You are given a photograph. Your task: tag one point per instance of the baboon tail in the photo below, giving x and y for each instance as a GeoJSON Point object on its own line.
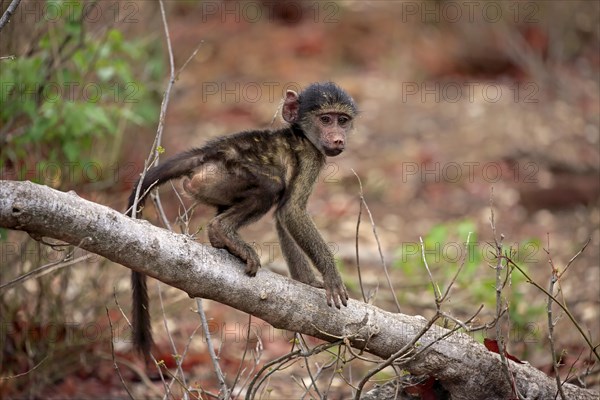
{"type": "Point", "coordinates": [175, 167]}
{"type": "Point", "coordinates": [142, 330]}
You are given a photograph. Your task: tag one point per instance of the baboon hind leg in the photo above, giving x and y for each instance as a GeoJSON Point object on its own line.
{"type": "Point", "coordinates": [222, 230]}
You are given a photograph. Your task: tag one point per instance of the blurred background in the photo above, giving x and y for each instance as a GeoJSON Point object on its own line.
{"type": "Point", "coordinates": [463, 105]}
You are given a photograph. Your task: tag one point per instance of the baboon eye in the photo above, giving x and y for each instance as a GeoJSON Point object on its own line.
{"type": "Point", "coordinates": [325, 119]}
{"type": "Point", "coordinates": [343, 120]}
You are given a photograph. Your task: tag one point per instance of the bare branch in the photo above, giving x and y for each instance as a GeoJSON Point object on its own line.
{"type": "Point", "coordinates": [10, 10]}
{"type": "Point", "coordinates": [202, 271]}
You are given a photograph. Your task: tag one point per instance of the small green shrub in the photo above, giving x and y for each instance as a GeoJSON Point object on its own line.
{"type": "Point", "coordinates": [446, 248]}
{"type": "Point", "coordinates": [66, 102]}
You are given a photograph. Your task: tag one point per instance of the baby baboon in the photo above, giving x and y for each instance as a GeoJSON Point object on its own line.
{"type": "Point", "coordinates": [246, 174]}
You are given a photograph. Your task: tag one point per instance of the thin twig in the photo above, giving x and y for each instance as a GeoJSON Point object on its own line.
{"type": "Point", "coordinates": [10, 10]}
{"type": "Point", "coordinates": [182, 357]}
{"type": "Point", "coordinates": [257, 351]}
{"type": "Point", "coordinates": [385, 270]}
{"type": "Point", "coordinates": [176, 355]}
{"type": "Point", "coordinates": [257, 381]}
{"type": "Point", "coordinates": [335, 361]}
{"type": "Point", "coordinates": [238, 375]}
{"type": "Point", "coordinates": [5, 378]}
{"type": "Point", "coordinates": [551, 323]}
{"type": "Point", "coordinates": [225, 391]}
{"type": "Point", "coordinates": [161, 211]}
{"type": "Point", "coordinates": [313, 381]}
{"type": "Point", "coordinates": [574, 257]}
{"type": "Point", "coordinates": [46, 269]}
{"type": "Point", "coordinates": [409, 349]}
{"type": "Point", "coordinates": [136, 370]}
{"type": "Point", "coordinates": [499, 303]}
{"type": "Point", "coordinates": [436, 290]}
{"type": "Point", "coordinates": [133, 367]}
{"type": "Point", "coordinates": [593, 348]}
{"type": "Point", "coordinates": [112, 350]}
{"type": "Point", "coordinates": [360, 282]}
{"type": "Point", "coordinates": [154, 152]}
{"type": "Point", "coordinates": [189, 59]}
{"type": "Point", "coordinates": [459, 270]}
{"type": "Point", "coordinates": [159, 365]}
{"type": "Point", "coordinates": [405, 350]}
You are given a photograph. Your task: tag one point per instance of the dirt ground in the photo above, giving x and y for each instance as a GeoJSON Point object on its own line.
{"type": "Point", "coordinates": [457, 112]}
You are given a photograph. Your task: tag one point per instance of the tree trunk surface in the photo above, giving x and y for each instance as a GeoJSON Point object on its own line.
{"type": "Point", "coordinates": [464, 367]}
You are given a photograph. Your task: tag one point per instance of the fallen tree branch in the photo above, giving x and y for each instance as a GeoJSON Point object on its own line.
{"type": "Point", "coordinates": [464, 367]}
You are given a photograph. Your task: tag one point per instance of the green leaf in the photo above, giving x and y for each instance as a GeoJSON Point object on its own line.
{"type": "Point", "coordinates": [71, 150]}
{"type": "Point", "coordinates": [98, 117]}
{"type": "Point", "coordinates": [115, 37]}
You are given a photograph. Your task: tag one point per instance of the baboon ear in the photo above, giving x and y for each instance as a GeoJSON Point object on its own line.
{"type": "Point", "coordinates": [290, 107]}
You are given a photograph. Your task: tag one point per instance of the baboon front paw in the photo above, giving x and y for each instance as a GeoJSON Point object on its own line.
{"type": "Point", "coordinates": [335, 292]}
{"type": "Point", "coordinates": [252, 264]}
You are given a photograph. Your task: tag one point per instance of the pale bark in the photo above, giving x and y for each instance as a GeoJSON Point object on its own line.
{"type": "Point", "coordinates": [464, 367]}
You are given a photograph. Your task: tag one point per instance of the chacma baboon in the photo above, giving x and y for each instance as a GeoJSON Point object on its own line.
{"type": "Point", "coordinates": [246, 174]}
